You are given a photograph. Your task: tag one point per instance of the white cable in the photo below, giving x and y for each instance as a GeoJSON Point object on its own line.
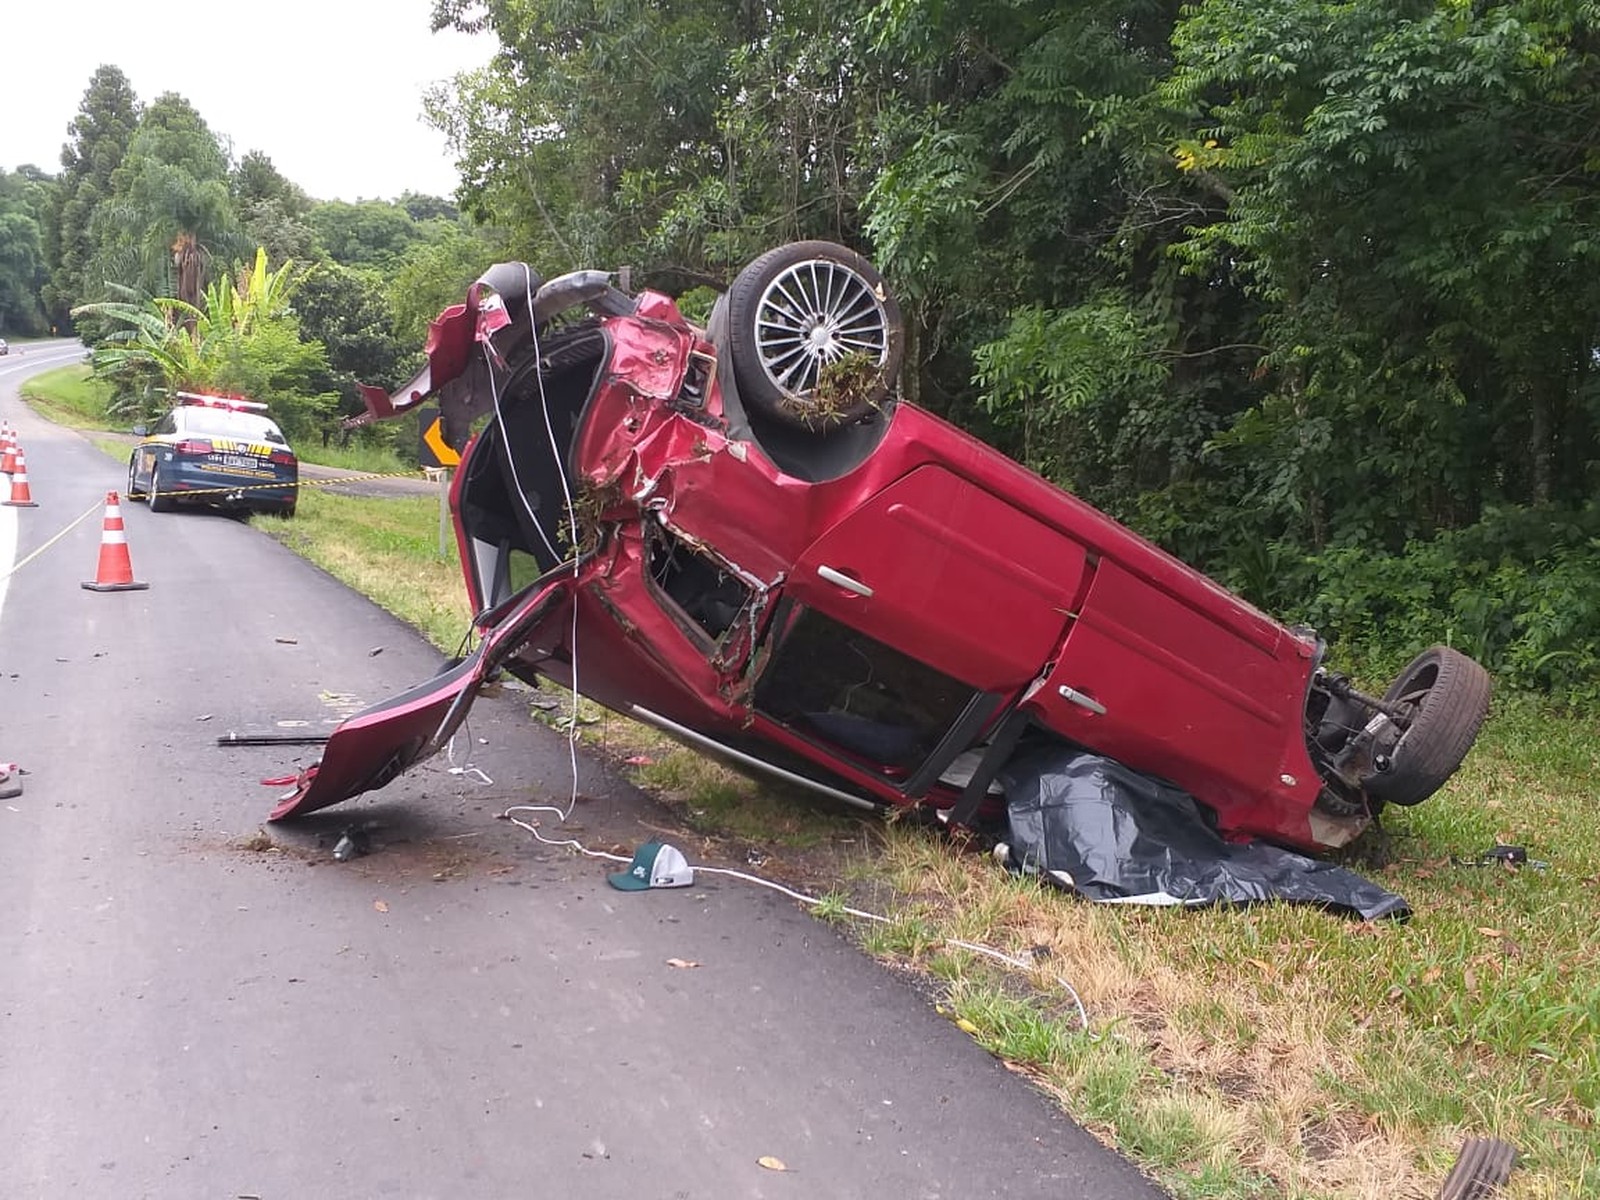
{"type": "Point", "coordinates": [533, 517]}
{"type": "Point", "coordinates": [572, 518]}
{"type": "Point", "coordinates": [813, 901]}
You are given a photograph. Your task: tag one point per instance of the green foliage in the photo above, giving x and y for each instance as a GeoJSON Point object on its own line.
{"type": "Point", "coordinates": [243, 339]}
{"type": "Point", "coordinates": [271, 209]}
{"type": "Point", "coordinates": [370, 233]}
{"type": "Point", "coordinates": [346, 310]}
{"type": "Point", "coordinates": [22, 264]}
{"type": "Point", "coordinates": [1079, 382]}
{"type": "Point", "coordinates": [1306, 290]}
{"type": "Point", "coordinates": [1519, 591]}
{"type": "Point", "coordinates": [99, 137]}
{"type": "Point", "coordinates": [435, 274]}
{"type": "Point", "coordinates": [170, 212]}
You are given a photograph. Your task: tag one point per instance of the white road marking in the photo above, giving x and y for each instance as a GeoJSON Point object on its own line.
{"type": "Point", "coordinates": [8, 550]}
{"type": "Point", "coordinates": [8, 516]}
{"type": "Point", "coordinates": [23, 362]}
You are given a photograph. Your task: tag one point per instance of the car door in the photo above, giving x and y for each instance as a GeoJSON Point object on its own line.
{"type": "Point", "coordinates": [917, 614]}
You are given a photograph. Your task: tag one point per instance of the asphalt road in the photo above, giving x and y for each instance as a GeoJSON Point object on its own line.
{"type": "Point", "coordinates": [188, 1009]}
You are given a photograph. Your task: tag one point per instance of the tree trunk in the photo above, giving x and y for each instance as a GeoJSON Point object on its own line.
{"type": "Point", "coordinates": [186, 260]}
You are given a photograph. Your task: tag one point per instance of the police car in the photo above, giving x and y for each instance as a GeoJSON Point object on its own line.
{"type": "Point", "coordinates": [216, 450]}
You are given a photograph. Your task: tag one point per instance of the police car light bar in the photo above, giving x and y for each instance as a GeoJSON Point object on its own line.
{"type": "Point", "coordinates": [238, 403]}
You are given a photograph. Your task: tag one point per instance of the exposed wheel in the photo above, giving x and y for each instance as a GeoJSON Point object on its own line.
{"type": "Point", "coordinates": [133, 492]}
{"type": "Point", "coordinates": [1447, 695]}
{"type": "Point", "coordinates": [815, 336]}
{"type": "Point", "coordinates": [159, 501]}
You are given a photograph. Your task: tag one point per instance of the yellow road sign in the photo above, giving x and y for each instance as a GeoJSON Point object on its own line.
{"type": "Point", "coordinates": [433, 438]}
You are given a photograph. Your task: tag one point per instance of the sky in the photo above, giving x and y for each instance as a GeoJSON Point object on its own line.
{"type": "Point", "coordinates": [330, 90]}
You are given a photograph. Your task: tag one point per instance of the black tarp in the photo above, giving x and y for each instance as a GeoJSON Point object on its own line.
{"type": "Point", "coordinates": [1090, 824]}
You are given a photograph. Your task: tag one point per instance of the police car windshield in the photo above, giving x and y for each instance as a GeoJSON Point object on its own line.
{"type": "Point", "coordinates": [228, 423]}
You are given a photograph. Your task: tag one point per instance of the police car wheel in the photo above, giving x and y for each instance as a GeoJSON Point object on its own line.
{"type": "Point", "coordinates": [159, 502]}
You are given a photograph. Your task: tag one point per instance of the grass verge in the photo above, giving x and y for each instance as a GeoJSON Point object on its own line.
{"type": "Point", "coordinates": [1266, 1052]}
{"type": "Point", "coordinates": [1282, 1052]}
{"type": "Point", "coordinates": [69, 396]}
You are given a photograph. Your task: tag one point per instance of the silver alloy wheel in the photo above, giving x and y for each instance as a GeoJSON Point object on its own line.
{"type": "Point", "coordinates": [813, 314]}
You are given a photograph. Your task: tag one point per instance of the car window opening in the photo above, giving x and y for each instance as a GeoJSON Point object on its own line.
{"type": "Point", "coordinates": [708, 595]}
{"type": "Point", "coordinates": [829, 681]}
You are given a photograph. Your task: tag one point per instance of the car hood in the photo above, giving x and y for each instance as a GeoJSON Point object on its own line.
{"type": "Point", "coordinates": [368, 750]}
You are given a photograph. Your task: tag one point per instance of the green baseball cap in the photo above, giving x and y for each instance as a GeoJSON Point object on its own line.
{"type": "Point", "coordinates": [655, 865]}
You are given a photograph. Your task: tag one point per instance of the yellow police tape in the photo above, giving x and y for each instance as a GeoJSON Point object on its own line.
{"type": "Point", "coordinates": [227, 491]}
{"type": "Point", "coordinates": [252, 486]}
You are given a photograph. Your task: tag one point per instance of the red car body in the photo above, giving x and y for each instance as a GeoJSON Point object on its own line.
{"type": "Point", "coordinates": [861, 608]}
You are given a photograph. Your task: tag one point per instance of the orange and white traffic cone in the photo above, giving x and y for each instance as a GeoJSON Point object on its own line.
{"type": "Point", "coordinates": [115, 572]}
{"type": "Point", "coordinates": [21, 496]}
{"type": "Point", "coordinates": [8, 450]}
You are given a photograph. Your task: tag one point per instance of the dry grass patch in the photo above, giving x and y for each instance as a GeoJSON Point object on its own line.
{"type": "Point", "coordinates": [1280, 1051]}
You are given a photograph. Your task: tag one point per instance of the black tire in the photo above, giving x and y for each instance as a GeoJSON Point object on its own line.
{"type": "Point", "coordinates": [1448, 695]}
{"type": "Point", "coordinates": [160, 501]}
{"type": "Point", "coordinates": [133, 492]}
{"type": "Point", "coordinates": [813, 313]}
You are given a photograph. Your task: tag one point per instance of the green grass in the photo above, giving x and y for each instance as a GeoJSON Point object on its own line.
{"type": "Point", "coordinates": [69, 396]}
{"type": "Point", "coordinates": [1283, 1051]}
{"type": "Point", "coordinates": [357, 456]}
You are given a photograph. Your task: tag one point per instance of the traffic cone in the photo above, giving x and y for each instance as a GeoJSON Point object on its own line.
{"type": "Point", "coordinates": [21, 497]}
{"type": "Point", "coordinates": [115, 572]}
{"type": "Point", "coordinates": [8, 450]}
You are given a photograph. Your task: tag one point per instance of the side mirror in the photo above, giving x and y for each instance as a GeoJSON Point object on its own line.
{"type": "Point", "coordinates": [141, 431]}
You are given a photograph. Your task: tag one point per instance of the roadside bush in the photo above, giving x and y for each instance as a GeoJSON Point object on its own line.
{"type": "Point", "coordinates": [1519, 591]}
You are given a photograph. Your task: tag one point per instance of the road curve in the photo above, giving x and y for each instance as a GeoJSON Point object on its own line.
{"type": "Point", "coordinates": [190, 1008]}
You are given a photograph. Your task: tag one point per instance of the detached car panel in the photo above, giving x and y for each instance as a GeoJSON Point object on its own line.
{"type": "Point", "coordinates": [765, 552]}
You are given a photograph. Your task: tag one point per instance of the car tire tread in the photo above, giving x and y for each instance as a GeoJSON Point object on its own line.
{"type": "Point", "coordinates": [1442, 731]}
{"type": "Point", "coordinates": [160, 501]}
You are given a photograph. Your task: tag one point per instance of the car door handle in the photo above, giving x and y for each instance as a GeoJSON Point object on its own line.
{"type": "Point", "coordinates": [1074, 696]}
{"type": "Point", "coordinates": [844, 581]}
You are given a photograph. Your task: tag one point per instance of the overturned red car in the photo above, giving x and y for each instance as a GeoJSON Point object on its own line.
{"type": "Point", "coordinates": [740, 535]}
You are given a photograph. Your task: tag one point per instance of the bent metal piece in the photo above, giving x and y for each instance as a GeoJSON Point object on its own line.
{"type": "Point", "coordinates": [370, 749]}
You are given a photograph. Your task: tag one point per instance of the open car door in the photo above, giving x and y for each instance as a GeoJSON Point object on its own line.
{"type": "Point", "coordinates": [378, 744]}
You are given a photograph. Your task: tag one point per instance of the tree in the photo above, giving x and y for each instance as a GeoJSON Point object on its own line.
{"type": "Point", "coordinates": [170, 210]}
{"type": "Point", "coordinates": [243, 337]}
{"type": "Point", "coordinates": [370, 233]}
{"type": "Point", "coordinates": [1395, 174]}
{"type": "Point", "coordinates": [347, 311]}
{"type": "Point", "coordinates": [99, 135]}
{"type": "Point", "coordinates": [435, 274]}
{"type": "Point", "coordinates": [575, 167]}
{"type": "Point", "coordinates": [255, 180]}
{"type": "Point", "coordinates": [22, 267]}
{"type": "Point", "coordinates": [420, 208]}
